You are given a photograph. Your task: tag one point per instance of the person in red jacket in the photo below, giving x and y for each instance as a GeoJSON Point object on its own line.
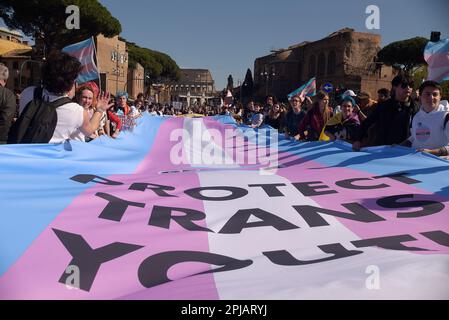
{"type": "Point", "coordinates": [116, 124]}
{"type": "Point", "coordinates": [312, 124]}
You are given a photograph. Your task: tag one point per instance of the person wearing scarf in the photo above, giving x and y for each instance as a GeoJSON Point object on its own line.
{"type": "Point", "coordinates": [313, 123]}
{"type": "Point", "coordinates": [122, 108]}
{"type": "Point", "coordinates": [344, 125]}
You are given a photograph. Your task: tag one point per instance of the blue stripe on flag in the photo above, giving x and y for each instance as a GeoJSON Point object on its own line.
{"type": "Point", "coordinates": [33, 171]}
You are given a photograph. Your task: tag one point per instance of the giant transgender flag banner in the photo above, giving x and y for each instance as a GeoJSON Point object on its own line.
{"type": "Point", "coordinates": [309, 89]}
{"type": "Point", "coordinates": [185, 208]}
{"type": "Point", "coordinates": [84, 51]}
{"type": "Point", "coordinates": [436, 55]}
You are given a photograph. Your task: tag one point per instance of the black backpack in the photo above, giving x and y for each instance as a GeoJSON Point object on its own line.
{"type": "Point", "coordinates": [37, 121]}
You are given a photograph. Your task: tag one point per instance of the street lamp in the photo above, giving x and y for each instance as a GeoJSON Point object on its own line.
{"type": "Point", "coordinates": [267, 76]}
{"type": "Point", "coordinates": [119, 58]}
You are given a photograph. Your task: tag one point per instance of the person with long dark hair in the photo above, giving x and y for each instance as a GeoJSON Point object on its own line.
{"type": "Point", "coordinates": [313, 123]}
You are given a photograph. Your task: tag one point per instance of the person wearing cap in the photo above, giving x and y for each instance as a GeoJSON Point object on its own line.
{"type": "Point", "coordinates": [366, 105]}
{"type": "Point", "coordinates": [347, 93]}
{"type": "Point", "coordinates": [430, 127]}
{"type": "Point", "coordinates": [392, 117]}
{"type": "Point", "coordinates": [7, 105]}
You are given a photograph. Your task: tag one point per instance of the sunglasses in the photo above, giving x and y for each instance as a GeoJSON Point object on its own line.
{"type": "Point", "coordinates": [406, 84]}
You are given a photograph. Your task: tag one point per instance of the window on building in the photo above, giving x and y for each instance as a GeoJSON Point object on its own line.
{"type": "Point", "coordinates": [331, 60]}
{"type": "Point", "coordinates": [321, 64]}
{"type": "Point", "coordinates": [312, 66]}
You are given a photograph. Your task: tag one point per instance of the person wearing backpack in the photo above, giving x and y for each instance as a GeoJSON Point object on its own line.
{"type": "Point", "coordinates": [430, 129]}
{"type": "Point", "coordinates": [47, 113]}
{"type": "Point", "coordinates": [7, 105]}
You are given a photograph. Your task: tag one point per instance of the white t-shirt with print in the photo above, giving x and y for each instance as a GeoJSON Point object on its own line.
{"type": "Point", "coordinates": [428, 130]}
{"type": "Point", "coordinates": [70, 115]}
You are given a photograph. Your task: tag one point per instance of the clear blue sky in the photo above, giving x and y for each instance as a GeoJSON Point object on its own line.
{"type": "Point", "coordinates": [226, 36]}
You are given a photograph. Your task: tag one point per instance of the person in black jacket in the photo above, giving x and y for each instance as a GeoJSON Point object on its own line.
{"type": "Point", "coordinates": [393, 117]}
{"type": "Point", "coordinates": [7, 105]}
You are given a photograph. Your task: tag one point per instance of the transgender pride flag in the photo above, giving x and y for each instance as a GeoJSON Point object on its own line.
{"type": "Point", "coordinates": [171, 211]}
{"type": "Point", "coordinates": [84, 51]}
{"type": "Point", "coordinates": [436, 55]}
{"type": "Point", "coordinates": [309, 89]}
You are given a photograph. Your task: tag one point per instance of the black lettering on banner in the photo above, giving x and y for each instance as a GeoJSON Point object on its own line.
{"type": "Point", "coordinates": [348, 184]}
{"type": "Point", "coordinates": [236, 193]}
{"type": "Point", "coordinates": [308, 190]}
{"type": "Point", "coordinates": [116, 207]}
{"type": "Point", "coordinates": [284, 258]}
{"type": "Point", "coordinates": [428, 206]}
{"type": "Point", "coordinates": [86, 178]}
{"type": "Point", "coordinates": [239, 221]}
{"type": "Point", "coordinates": [391, 243]}
{"type": "Point", "coordinates": [89, 260]}
{"type": "Point", "coordinates": [313, 218]}
{"type": "Point", "coordinates": [271, 189]}
{"type": "Point", "coordinates": [439, 237]}
{"type": "Point", "coordinates": [158, 189]}
{"type": "Point", "coordinates": [161, 216]}
{"type": "Point", "coordinates": [400, 177]}
{"type": "Point", "coordinates": [153, 270]}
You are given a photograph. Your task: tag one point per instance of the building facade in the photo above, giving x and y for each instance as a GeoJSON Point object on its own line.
{"type": "Point", "coordinates": [196, 86]}
{"type": "Point", "coordinates": [345, 59]}
{"type": "Point", "coordinates": [136, 81]}
{"type": "Point", "coordinates": [16, 55]}
{"type": "Point", "coordinates": [112, 60]}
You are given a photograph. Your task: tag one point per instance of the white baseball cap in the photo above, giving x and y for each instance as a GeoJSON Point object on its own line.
{"type": "Point", "coordinates": [349, 93]}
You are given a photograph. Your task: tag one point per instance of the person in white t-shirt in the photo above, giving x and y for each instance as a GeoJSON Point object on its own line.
{"type": "Point", "coordinates": [430, 130]}
{"type": "Point", "coordinates": [58, 76]}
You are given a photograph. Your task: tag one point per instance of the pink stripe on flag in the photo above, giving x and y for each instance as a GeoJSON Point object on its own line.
{"type": "Point", "coordinates": [437, 60]}
{"type": "Point", "coordinates": [36, 274]}
{"type": "Point", "coordinates": [305, 170]}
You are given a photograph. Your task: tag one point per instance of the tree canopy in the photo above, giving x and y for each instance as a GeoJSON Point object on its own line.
{"type": "Point", "coordinates": [45, 20]}
{"type": "Point", "coordinates": [248, 85]}
{"type": "Point", "coordinates": [408, 52]}
{"type": "Point", "coordinates": [157, 65]}
{"type": "Point", "coordinates": [230, 85]}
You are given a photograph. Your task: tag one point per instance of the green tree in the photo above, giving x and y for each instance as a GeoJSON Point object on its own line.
{"type": "Point", "coordinates": [157, 65]}
{"type": "Point", "coordinates": [408, 52]}
{"type": "Point", "coordinates": [45, 20]}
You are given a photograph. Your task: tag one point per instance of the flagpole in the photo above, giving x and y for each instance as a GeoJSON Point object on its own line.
{"type": "Point", "coordinates": [98, 65]}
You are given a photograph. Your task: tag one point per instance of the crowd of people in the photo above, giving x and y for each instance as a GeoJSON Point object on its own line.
{"type": "Point", "coordinates": [61, 110]}
{"type": "Point", "coordinates": [400, 116]}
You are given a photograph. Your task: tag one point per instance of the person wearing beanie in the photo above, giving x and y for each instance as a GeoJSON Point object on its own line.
{"type": "Point", "coordinates": [344, 125]}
